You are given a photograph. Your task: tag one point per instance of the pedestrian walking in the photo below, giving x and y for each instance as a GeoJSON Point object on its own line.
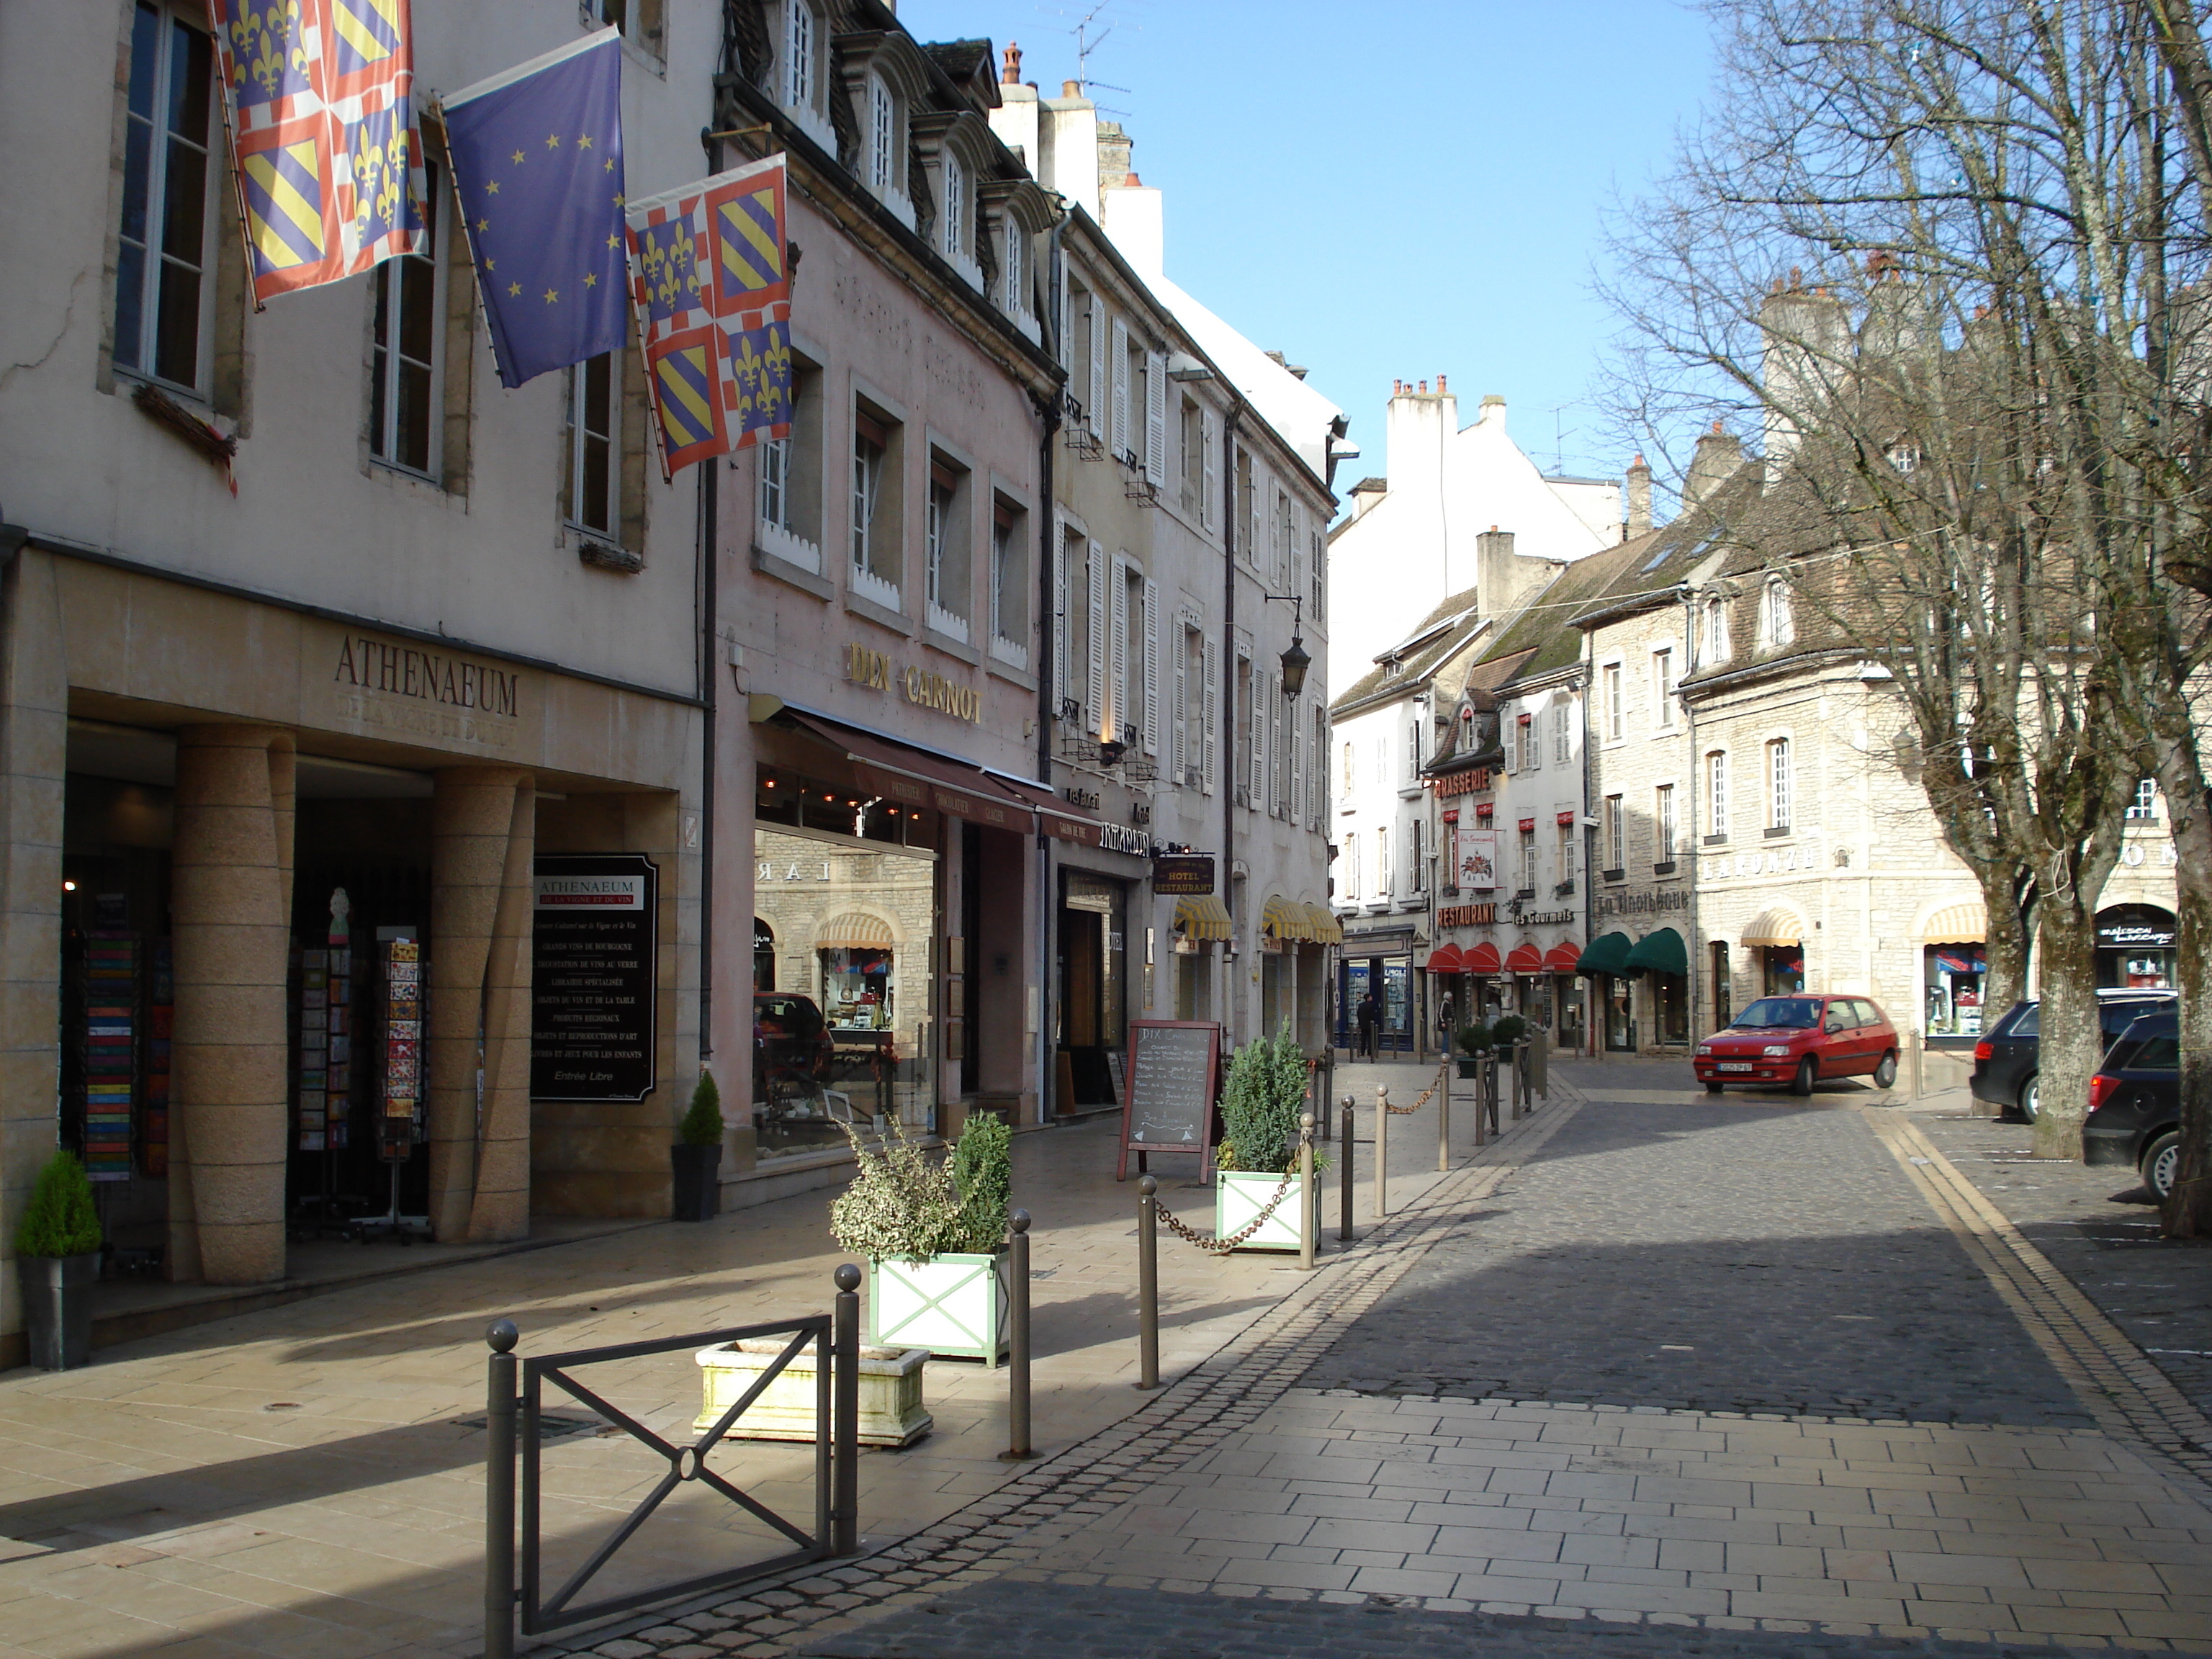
{"type": "Point", "coordinates": [1447, 1022]}
{"type": "Point", "coordinates": [1370, 1017]}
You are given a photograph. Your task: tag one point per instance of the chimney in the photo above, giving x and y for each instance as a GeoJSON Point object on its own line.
{"type": "Point", "coordinates": [1071, 89]}
{"type": "Point", "coordinates": [1639, 499]}
{"type": "Point", "coordinates": [1011, 75]}
{"type": "Point", "coordinates": [1440, 385]}
{"type": "Point", "coordinates": [1495, 587]}
{"type": "Point", "coordinates": [1493, 409]}
{"type": "Point", "coordinates": [1366, 493]}
{"type": "Point", "coordinates": [1719, 455]}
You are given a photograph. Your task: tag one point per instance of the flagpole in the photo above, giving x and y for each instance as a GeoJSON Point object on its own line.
{"type": "Point", "coordinates": [461, 213]}
{"type": "Point", "coordinates": [230, 140]}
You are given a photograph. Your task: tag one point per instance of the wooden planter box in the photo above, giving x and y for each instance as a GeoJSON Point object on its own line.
{"type": "Point", "coordinates": [1238, 1196]}
{"type": "Point", "coordinates": [891, 1412]}
{"type": "Point", "coordinates": [955, 1306]}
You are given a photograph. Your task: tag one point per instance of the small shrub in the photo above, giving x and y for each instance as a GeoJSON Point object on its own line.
{"type": "Point", "coordinates": [702, 1124]}
{"type": "Point", "coordinates": [1507, 1028]}
{"type": "Point", "coordinates": [59, 1219]}
{"type": "Point", "coordinates": [1475, 1037]}
{"type": "Point", "coordinates": [983, 1164]}
{"type": "Point", "coordinates": [906, 1204]}
{"type": "Point", "coordinates": [1262, 1100]}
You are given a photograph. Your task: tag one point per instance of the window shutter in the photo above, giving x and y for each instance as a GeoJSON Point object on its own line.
{"type": "Point", "coordinates": [1151, 623]}
{"type": "Point", "coordinates": [1095, 709]}
{"type": "Point", "coordinates": [1063, 625]}
{"type": "Point", "coordinates": [1179, 756]}
{"type": "Point", "coordinates": [1121, 367]}
{"type": "Point", "coordinates": [1156, 417]}
{"type": "Point", "coordinates": [1096, 385]}
{"type": "Point", "coordinates": [1117, 688]}
{"type": "Point", "coordinates": [1209, 486]}
{"type": "Point", "coordinates": [1209, 715]}
{"type": "Point", "coordinates": [1275, 758]}
{"type": "Point", "coordinates": [1256, 731]}
{"type": "Point", "coordinates": [1298, 763]}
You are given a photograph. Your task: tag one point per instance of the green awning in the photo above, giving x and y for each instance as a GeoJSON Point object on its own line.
{"type": "Point", "coordinates": [1662, 952]}
{"type": "Point", "coordinates": [1607, 954]}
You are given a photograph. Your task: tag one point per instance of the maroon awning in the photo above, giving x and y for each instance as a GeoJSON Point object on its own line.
{"type": "Point", "coordinates": [900, 772]}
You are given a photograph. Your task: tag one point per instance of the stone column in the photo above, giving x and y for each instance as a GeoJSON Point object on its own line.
{"type": "Point", "coordinates": [231, 873]}
{"type": "Point", "coordinates": [483, 830]}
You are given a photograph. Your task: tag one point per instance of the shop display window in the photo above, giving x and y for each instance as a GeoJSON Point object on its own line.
{"type": "Point", "coordinates": [1782, 970]}
{"type": "Point", "coordinates": [1954, 977]}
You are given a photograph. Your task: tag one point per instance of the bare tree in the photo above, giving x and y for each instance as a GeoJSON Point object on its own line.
{"type": "Point", "coordinates": [1931, 248]}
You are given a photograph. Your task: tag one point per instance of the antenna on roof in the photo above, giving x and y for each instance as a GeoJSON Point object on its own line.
{"type": "Point", "coordinates": [1086, 43]}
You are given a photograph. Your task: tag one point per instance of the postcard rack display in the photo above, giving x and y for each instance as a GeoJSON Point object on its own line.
{"type": "Point", "coordinates": [108, 1054]}
{"type": "Point", "coordinates": [399, 1121]}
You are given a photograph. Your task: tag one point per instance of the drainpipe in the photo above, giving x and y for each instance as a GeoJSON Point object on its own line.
{"type": "Point", "coordinates": [1690, 876]}
{"type": "Point", "coordinates": [710, 558]}
{"type": "Point", "coordinates": [1591, 1012]}
{"type": "Point", "coordinates": [1048, 638]}
{"type": "Point", "coordinates": [1229, 430]}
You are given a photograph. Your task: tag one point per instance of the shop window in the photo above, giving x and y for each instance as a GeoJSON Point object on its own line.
{"type": "Point", "coordinates": [877, 556]}
{"type": "Point", "coordinates": [165, 253]}
{"type": "Point", "coordinates": [1953, 978]}
{"type": "Point", "coordinates": [1010, 582]}
{"type": "Point", "coordinates": [1724, 991]}
{"type": "Point", "coordinates": [1783, 970]}
{"type": "Point", "coordinates": [945, 531]}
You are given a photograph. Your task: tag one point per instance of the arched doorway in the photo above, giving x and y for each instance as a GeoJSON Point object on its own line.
{"type": "Point", "coordinates": [764, 956]}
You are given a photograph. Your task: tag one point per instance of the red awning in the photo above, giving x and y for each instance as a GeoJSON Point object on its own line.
{"type": "Point", "coordinates": [920, 779]}
{"type": "Point", "coordinates": [1527, 825]}
{"type": "Point", "coordinates": [1445, 959]}
{"type": "Point", "coordinates": [1524, 959]}
{"type": "Point", "coordinates": [1562, 958]}
{"type": "Point", "coordinates": [1482, 959]}
{"type": "Point", "coordinates": [1566, 818]}
{"type": "Point", "coordinates": [1482, 809]}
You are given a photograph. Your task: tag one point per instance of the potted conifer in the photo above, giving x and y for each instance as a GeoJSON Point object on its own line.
{"type": "Point", "coordinates": [57, 1260]}
{"type": "Point", "coordinates": [1263, 1097]}
{"type": "Point", "coordinates": [1474, 1039]}
{"type": "Point", "coordinates": [934, 1233]}
{"type": "Point", "coordinates": [697, 1155]}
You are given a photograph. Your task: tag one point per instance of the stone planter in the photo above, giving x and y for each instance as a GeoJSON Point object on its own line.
{"type": "Point", "coordinates": [698, 1189]}
{"type": "Point", "coordinates": [58, 1308]}
{"type": "Point", "coordinates": [1239, 1194]}
{"type": "Point", "coordinates": [891, 1412]}
{"type": "Point", "coordinates": [953, 1305]}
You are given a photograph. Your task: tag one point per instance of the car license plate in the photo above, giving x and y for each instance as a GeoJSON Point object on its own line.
{"type": "Point", "coordinates": [1735, 1066]}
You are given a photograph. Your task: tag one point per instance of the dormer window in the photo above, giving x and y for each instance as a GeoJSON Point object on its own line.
{"type": "Point", "coordinates": [883, 137]}
{"type": "Point", "coordinates": [1015, 275]}
{"type": "Point", "coordinates": [952, 220]}
{"type": "Point", "coordinates": [801, 84]}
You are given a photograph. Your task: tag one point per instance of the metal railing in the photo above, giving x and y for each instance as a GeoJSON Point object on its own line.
{"type": "Point", "coordinates": [516, 1391]}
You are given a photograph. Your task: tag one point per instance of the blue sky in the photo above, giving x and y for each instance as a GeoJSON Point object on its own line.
{"type": "Point", "coordinates": [1388, 189]}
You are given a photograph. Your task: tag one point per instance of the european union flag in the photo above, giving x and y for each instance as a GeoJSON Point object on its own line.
{"type": "Point", "coordinates": [537, 165]}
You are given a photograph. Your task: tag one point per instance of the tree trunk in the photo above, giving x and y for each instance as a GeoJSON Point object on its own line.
{"type": "Point", "coordinates": [2188, 1212]}
{"type": "Point", "coordinates": [2071, 1042]}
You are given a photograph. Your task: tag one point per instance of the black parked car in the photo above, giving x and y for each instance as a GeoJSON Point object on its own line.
{"type": "Point", "coordinates": [2005, 1060]}
{"type": "Point", "coordinates": [2135, 1103]}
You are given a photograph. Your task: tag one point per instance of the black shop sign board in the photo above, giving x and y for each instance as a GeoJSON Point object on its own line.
{"type": "Point", "coordinates": [594, 939]}
{"type": "Point", "coordinates": [1187, 875]}
{"type": "Point", "coordinates": [1174, 1066]}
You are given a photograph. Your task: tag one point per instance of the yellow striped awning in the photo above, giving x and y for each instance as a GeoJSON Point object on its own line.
{"type": "Point", "coordinates": [1284, 918]}
{"type": "Point", "coordinates": [854, 932]}
{"type": "Point", "coordinates": [1957, 924]}
{"type": "Point", "coordinates": [1326, 930]}
{"type": "Point", "coordinates": [1775, 926]}
{"type": "Point", "coordinates": [1202, 918]}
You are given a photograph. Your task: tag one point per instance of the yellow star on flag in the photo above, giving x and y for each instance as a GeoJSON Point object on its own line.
{"type": "Point", "coordinates": [552, 141]}
{"type": "Point", "coordinates": [491, 264]}
{"type": "Point", "coordinates": [518, 155]}
{"type": "Point", "coordinates": [491, 187]}
{"type": "Point", "coordinates": [484, 224]}
{"type": "Point", "coordinates": [583, 141]}
{"type": "Point", "coordinates": [514, 289]}
{"type": "Point", "coordinates": [591, 279]}
{"type": "Point", "coordinates": [610, 167]}
{"type": "Point", "coordinates": [614, 241]}
{"type": "Point", "coordinates": [551, 295]}
{"type": "Point", "coordinates": [618, 200]}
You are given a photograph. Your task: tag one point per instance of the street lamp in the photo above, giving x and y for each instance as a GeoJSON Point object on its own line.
{"type": "Point", "coordinates": [1297, 659]}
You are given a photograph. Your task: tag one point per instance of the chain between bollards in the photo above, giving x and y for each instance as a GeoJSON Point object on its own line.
{"type": "Point", "coordinates": [499, 1490]}
{"type": "Point", "coordinates": [1017, 1328]}
{"type": "Point", "coordinates": [845, 1413]}
{"type": "Point", "coordinates": [1148, 1284]}
{"type": "Point", "coordinates": [1344, 1175]}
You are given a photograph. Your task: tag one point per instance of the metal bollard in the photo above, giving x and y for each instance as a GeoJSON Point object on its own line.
{"type": "Point", "coordinates": [1481, 1113]}
{"type": "Point", "coordinates": [845, 1412]}
{"type": "Point", "coordinates": [1344, 1174]}
{"type": "Point", "coordinates": [1308, 1209]}
{"type": "Point", "coordinates": [499, 1490]}
{"type": "Point", "coordinates": [1148, 1283]}
{"type": "Point", "coordinates": [1017, 1329]}
{"type": "Point", "coordinates": [1443, 1117]}
{"type": "Point", "coordinates": [1522, 1105]}
{"type": "Point", "coordinates": [1381, 1151]}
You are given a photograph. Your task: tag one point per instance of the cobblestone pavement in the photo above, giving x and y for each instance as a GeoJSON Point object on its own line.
{"type": "Point", "coordinates": [1709, 1256]}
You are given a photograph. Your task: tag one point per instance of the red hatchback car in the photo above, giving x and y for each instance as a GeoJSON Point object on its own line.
{"type": "Point", "coordinates": [1798, 1040]}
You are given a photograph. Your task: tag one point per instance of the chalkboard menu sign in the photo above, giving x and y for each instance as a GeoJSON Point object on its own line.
{"type": "Point", "coordinates": [1169, 1104]}
{"type": "Point", "coordinates": [592, 977]}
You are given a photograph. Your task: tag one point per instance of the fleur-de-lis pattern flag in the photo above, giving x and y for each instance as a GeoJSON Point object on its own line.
{"type": "Point", "coordinates": [712, 295]}
{"type": "Point", "coordinates": [537, 169]}
{"type": "Point", "coordinates": [320, 96]}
